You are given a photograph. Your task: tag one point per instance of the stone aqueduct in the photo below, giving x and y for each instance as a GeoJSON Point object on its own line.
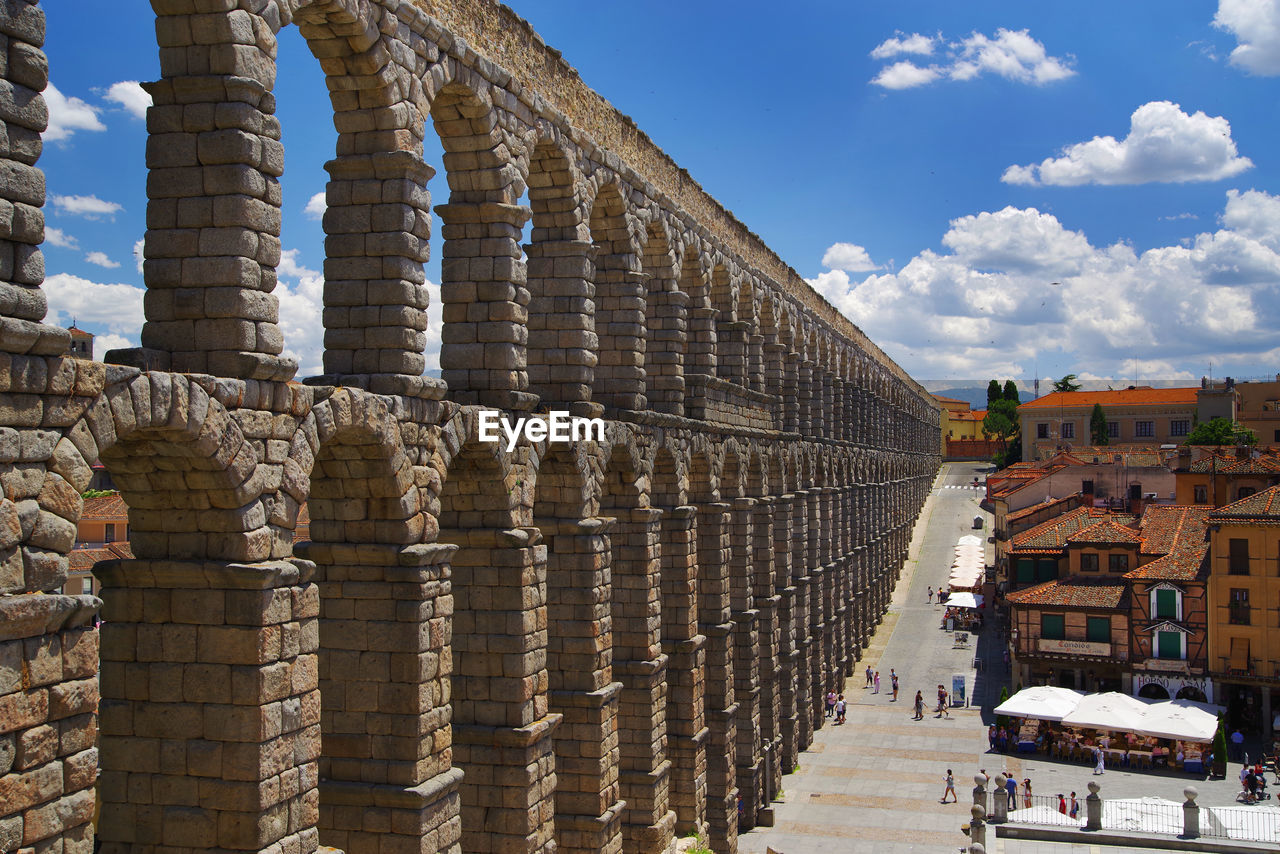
{"type": "Point", "coordinates": [578, 647]}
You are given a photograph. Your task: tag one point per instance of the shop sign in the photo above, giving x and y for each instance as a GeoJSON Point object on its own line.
{"type": "Point", "coordinates": [1073, 646]}
{"type": "Point", "coordinates": [1172, 684]}
{"type": "Point", "coordinates": [1171, 665]}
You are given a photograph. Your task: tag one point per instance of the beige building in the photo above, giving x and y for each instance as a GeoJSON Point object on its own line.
{"type": "Point", "coordinates": [1135, 416]}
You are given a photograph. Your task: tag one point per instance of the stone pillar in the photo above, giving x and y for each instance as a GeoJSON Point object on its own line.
{"type": "Point", "coordinates": [664, 354]}
{"type": "Point", "coordinates": [980, 793]}
{"type": "Point", "coordinates": [746, 654]}
{"type": "Point", "coordinates": [801, 578]}
{"type": "Point", "coordinates": [839, 426]}
{"type": "Point", "coordinates": [775, 354]}
{"type": "Point", "coordinates": [562, 325]}
{"type": "Point", "coordinates": [641, 667]}
{"type": "Point", "coordinates": [767, 634]}
{"type": "Point", "coordinates": [484, 355]}
{"type": "Point", "coordinates": [731, 344]}
{"type": "Point", "coordinates": [1190, 813]}
{"type": "Point", "coordinates": [1093, 808]}
{"type": "Point", "coordinates": [384, 616]}
{"type": "Point", "coordinates": [714, 597]}
{"type": "Point", "coordinates": [791, 393]}
{"type": "Point", "coordinates": [755, 361]}
{"type": "Point", "coordinates": [805, 391]}
{"type": "Point", "coordinates": [830, 428]}
{"type": "Point", "coordinates": [702, 341]}
{"type": "Point", "coordinates": [978, 826]}
{"type": "Point", "coordinates": [999, 801]}
{"type": "Point", "coordinates": [48, 703]}
{"type": "Point", "coordinates": [620, 324]}
{"type": "Point", "coordinates": [686, 653]}
{"type": "Point", "coordinates": [785, 593]}
{"type": "Point", "coordinates": [210, 714]}
{"type": "Point", "coordinates": [214, 160]}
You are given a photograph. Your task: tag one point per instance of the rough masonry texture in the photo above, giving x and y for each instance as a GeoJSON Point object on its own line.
{"type": "Point", "coordinates": [574, 647]}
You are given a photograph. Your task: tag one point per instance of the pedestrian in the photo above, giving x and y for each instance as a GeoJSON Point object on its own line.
{"type": "Point", "coordinates": [831, 703]}
{"type": "Point", "coordinates": [1002, 740]}
{"type": "Point", "coordinates": [1075, 806]}
{"type": "Point", "coordinates": [951, 787]}
{"type": "Point", "coordinates": [876, 682]}
{"type": "Point", "coordinates": [930, 594]}
{"type": "Point", "coordinates": [991, 738]}
{"type": "Point", "coordinates": [840, 709]}
{"type": "Point", "coordinates": [893, 680]}
{"type": "Point", "coordinates": [1006, 661]}
{"type": "Point", "coordinates": [919, 706]}
{"type": "Point", "coordinates": [1026, 793]}
{"type": "Point", "coordinates": [1011, 789]}
{"type": "Point", "coordinates": [868, 685]}
{"type": "Point", "coordinates": [1062, 804]}
{"type": "Point", "coordinates": [1099, 759]}
{"type": "Point", "coordinates": [1237, 743]}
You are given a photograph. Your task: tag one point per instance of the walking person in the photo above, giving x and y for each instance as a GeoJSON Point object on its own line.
{"type": "Point", "coordinates": [1062, 804]}
{"type": "Point", "coordinates": [951, 788]}
{"type": "Point", "coordinates": [831, 703]}
{"type": "Point", "coordinates": [893, 682]}
{"type": "Point", "coordinates": [1099, 759]}
{"type": "Point", "coordinates": [1074, 808]}
{"type": "Point", "coordinates": [840, 709]}
{"type": "Point", "coordinates": [868, 685]}
{"type": "Point", "coordinates": [1026, 793]}
{"type": "Point", "coordinates": [876, 690]}
{"type": "Point", "coordinates": [1011, 790]}
{"type": "Point", "coordinates": [930, 594]}
{"type": "Point", "coordinates": [919, 706]}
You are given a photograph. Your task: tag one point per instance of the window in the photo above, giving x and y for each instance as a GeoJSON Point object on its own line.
{"type": "Point", "coordinates": [1053, 626]}
{"type": "Point", "coordinates": [1169, 645]}
{"type": "Point", "coordinates": [1238, 607]}
{"type": "Point", "coordinates": [1068, 430]}
{"type": "Point", "coordinates": [1179, 428]}
{"type": "Point", "coordinates": [1086, 486]}
{"type": "Point", "coordinates": [1046, 569]}
{"type": "Point", "coordinates": [1098, 629]}
{"type": "Point", "coordinates": [1277, 437]}
{"type": "Point", "coordinates": [1118, 563]}
{"type": "Point", "coordinates": [1238, 556]}
{"type": "Point", "coordinates": [1026, 570]}
{"type": "Point", "coordinates": [1201, 495]}
{"type": "Point", "coordinates": [1166, 605]}
{"type": "Point", "coordinates": [1144, 429]}
{"type": "Point", "coordinates": [1113, 429]}
{"type": "Point", "coordinates": [109, 532]}
{"type": "Point", "coordinates": [1042, 431]}
{"type": "Point", "coordinates": [1245, 492]}
{"type": "Point", "coordinates": [1088, 562]}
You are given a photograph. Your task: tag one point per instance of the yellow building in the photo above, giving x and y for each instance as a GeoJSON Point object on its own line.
{"type": "Point", "coordinates": [1142, 416]}
{"type": "Point", "coordinates": [1244, 609]}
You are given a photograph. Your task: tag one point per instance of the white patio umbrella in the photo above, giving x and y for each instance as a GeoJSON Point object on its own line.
{"type": "Point", "coordinates": [1110, 710]}
{"type": "Point", "coordinates": [964, 600]}
{"type": "Point", "coordinates": [1186, 720]}
{"type": "Point", "coordinates": [1042, 702]}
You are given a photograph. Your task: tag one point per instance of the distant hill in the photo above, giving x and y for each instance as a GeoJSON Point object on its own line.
{"type": "Point", "coordinates": [977, 396]}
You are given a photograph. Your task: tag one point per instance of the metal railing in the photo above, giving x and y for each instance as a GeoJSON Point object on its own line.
{"type": "Point", "coordinates": [1043, 809]}
{"type": "Point", "coordinates": [1142, 816]}
{"type": "Point", "coordinates": [1243, 823]}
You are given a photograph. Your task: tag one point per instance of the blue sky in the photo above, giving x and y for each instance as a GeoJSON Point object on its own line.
{"type": "Point", "coordinates": [998, 188]}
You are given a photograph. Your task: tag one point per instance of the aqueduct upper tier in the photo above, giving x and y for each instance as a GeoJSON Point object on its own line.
{"type": "Point", "coordinates": [592, 646]}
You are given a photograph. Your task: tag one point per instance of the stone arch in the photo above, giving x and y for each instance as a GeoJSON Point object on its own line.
{"type": "Point", "coordinates": [731, 334]}
{"type": "Point", "coordinates": [666, 331]}
{"type": "Point", "coordinates": [702, 327]}
{"type": "Point", "coordinates": [619, 381]}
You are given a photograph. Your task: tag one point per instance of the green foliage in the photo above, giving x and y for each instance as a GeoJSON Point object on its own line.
{"type": "Point", "coordinates": [1001, 720]}
{"type": "Point", "coordinates": [1220, 741]}
{"type": "Point", "coordinates": [1002, 419]}
{"type": "Point", "coordinates": [698, 847]}
{"type": "Point", "coordinates": [1221, 431]}
{"type": "Point", "coordinates": [993, 392]}
{"type": "Point", "coordinates": [97, 493]}
{"type": "Point", "coordinates": [1011, 391]}
{"type": "Point", "coordinates": [1098, 426]}
{"type": "Point", "coordinates": [1067, 383]}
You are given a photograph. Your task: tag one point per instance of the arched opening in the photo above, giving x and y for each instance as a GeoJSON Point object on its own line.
{"type": "Point", "coordinates": [1153, 691]}
{"type": "Point", "coordinates": [619, 381]}
{"type": "Point", "coordinates": [1188, 692]}
{"type": "Point", "coordinates": [702, 327]}
{"type": "Point", "coordinates": [666, 333]}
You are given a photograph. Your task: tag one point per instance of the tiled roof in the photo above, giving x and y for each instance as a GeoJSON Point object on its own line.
{"type": "Point", "coordinates": [83, 560]}
{"type": "Point", "coordinates": [969, 415]}
{"type": "Point", "coordinates": [1073, 593]}
{"type": "Point", "coordinates": [1170, 527]}
{"type": "Point", "coordinates": [949, 399]}
{"type": "Point", "coordinates": [1054, 533]}
{"type": "Point", "coordinates": [1261, 506]}
{"type": "Point", "coordinates": [1106, 532]}
{"type": "Point", "coordinates": [1262, 466]}
{"type": "Point", "coordinates": [1121, 397]}
{"type": "Point", "coordinates": [1035, 508]}
{"type": "Point", "coordinates": [1211, 463]}
{"type": "Point", "coordinates": [1182, 565]}
{"type": "Point", "coordinates": [105, 508]}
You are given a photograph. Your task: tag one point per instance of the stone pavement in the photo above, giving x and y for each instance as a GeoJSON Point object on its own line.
{"type": "Point", "coordinates": [874, 784]}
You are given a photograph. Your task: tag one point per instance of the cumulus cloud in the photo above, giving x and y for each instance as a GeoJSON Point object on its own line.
{"type": "Point", "coordinates": [58, 237]}
{"type": "Point", "coordinates": [101, 259]}
{"type": "Point", "coordinates": [130, 95]}
{"type": "Point", "coordinates": [1256, 26]}
{"type": "Point", "coordinates": [1164, 145]}
{"type": "Point", "coordinates": [110, 341]}
{"type": "Point", "coordinates": [1011, 54]}
{"type": "Point", "coordinates": [138, 257]}
{"type": "Point", "coordinates": [89, 207]}
{"type": "Point", "coordinates": [301, 294]}
{"type": "Point", "coordinates": [116, 306]}
{"type": "Point", "coordinates": [1014, 288]}
{"type": "Point", "coordinates": [68, 115]}
{"type": "Point", "coordinates": [849, 257]}
{"type": "Point", "coordinates": [315, 207]}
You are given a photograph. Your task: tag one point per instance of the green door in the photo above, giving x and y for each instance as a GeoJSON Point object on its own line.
{"type": "Point", "coordinates": [1169, 644]}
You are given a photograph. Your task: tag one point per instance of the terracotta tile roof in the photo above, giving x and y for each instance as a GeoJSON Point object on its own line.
{"type": "Point", "coordinates": [1211, 463]}
{"type": "Point", "coordinates": [1186, 564]}
{"type": "Point", "coordinates": [1262, 465]}
{"type": "Point", "coordinates": [1073, 593]}
{"type": "Point", "coordinates": [1262, 507]}
{"type": "Point", "coordinates": [82, 560]}
{"type": "Point", "coordinates": [1053, 534]}
{"type": "Point", "coordinates": [1058, 503]}
{"type": "Point", "coordinates": [1172, 527]}
{"type": "Point", "coordinates": [949, 399]}
{"type": "Point", "coordinates": [105, 508]}
{"type": "Point", "coordinates": [1106, 532]}
{"type": "Point", "coordinates": [1121, 397]}
{"type": "Point", "coordinates": [969, 415]}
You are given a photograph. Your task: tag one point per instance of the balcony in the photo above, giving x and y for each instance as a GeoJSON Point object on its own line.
{"type": "Point", "coordinates": [1238, 614]}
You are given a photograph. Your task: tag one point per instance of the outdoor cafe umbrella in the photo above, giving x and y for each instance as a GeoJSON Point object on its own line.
{"type": "Point", "coordinates": [1042, 702]}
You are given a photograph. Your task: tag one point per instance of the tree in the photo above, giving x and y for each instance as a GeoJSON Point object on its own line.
{"type": "Point", "coordinates": [993, 392]}
{"type": "Point", "coordinates": [1220, 431]}
{"type": "Point", "coordinates": [1011, 391]}
{"type": "Point", "coordinates": [1098, 426]}
{"type": "Point", "coordinates": [1067, 383]}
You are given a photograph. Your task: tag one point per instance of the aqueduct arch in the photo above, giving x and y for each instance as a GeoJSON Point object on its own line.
{"type": "Point", "coordinates": [587, 648]}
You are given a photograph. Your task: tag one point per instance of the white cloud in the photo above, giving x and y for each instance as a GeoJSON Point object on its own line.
{"type": "Point", "coordinates": [101, 259]}
{"type": "Point", "coordinates": [301, 294]}
{"type": "Point", "coordinates": [1256, 26]}
{"type": "Point", "coordinates": [110, 341]}
{"type": "Point", "coordinates": [68, 115]}
{"type": "Point", "coordinates": [115, 306]}
{"type": "Point", "coordinates": [849, 257]}
{"type": "Point", "coordinates": [58, 237]}
{"type": "Point", "coordinates": [1015, 289]}
{"type": "Point", "coordinates": [1164, 145]}
{"type": "Point", "coordinates": [89, 207]}
{"type": "Point", "coordinates": [138, 257]}
{"type": "Point", "coordinates": [1012, 54]}
{"type": "Point", "coordinates": [130, 95]}
{"type": "Point", "coordinates": [315, 206]}
{"type": "Point", "coordinates": [901, 43]}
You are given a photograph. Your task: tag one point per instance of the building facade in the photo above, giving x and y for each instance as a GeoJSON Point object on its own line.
{"type": "Point", "coordinates": [1135, 416]}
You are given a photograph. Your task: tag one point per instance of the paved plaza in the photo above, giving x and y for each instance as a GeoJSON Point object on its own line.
{"type": "Point", "coordinates": [875, 783]}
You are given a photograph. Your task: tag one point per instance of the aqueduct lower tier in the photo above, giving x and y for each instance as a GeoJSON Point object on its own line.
{"type": "Point", "coordinates": [591, 646]}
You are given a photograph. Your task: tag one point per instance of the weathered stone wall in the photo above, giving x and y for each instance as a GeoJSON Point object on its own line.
{"type": "Point", "coordinates": [593, 646]}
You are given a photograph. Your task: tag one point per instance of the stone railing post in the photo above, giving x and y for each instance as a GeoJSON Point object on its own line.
{"type": "Point", "coordinates": [1000, 800]}
{"type": "Point", "coordinates": [1093, 808]}
{"type": "Point", "coordinates": [1190, 813]}
{"type": "Point", "coordinates": [977, 826]}
{"type": "Point", "coordinates": [980, 793]}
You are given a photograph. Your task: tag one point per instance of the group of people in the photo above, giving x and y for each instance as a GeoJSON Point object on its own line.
{"type": "Point", "coordinates": [873, 682]}
{"type": "Point", "coordinates": [1067, 804]}
{"type": "Point", "coordinates": [1253, 782]}
{"type": "Point", "coordinates": [836, 706]}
